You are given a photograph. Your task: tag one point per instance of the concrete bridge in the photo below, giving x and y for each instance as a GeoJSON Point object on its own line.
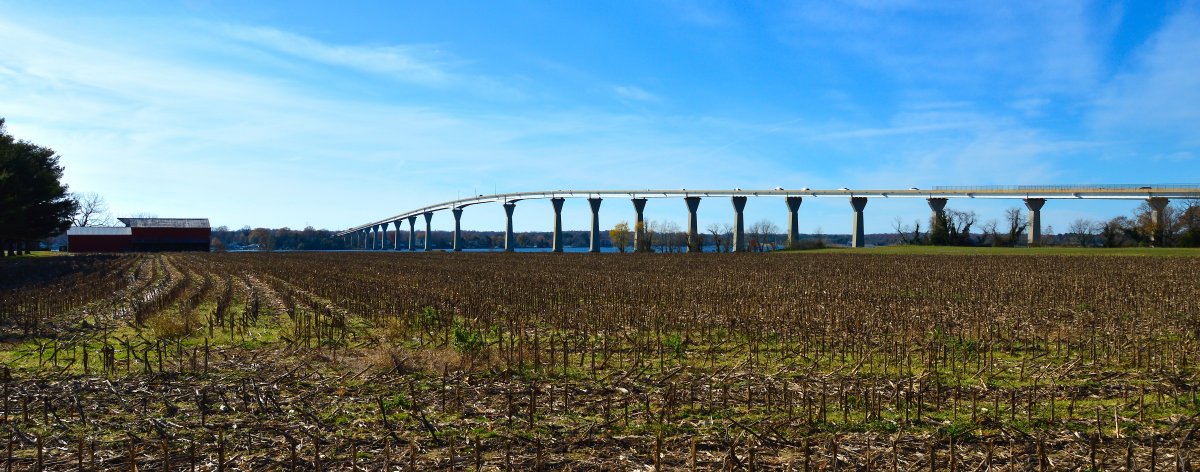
{"type": "Point", "coordinates": [371, 235]}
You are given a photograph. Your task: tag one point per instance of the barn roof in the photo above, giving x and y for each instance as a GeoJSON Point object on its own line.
{"type": "Point", "coordinates": [165, 222]}
{"type": "Point", "coordinates": [98, 231]}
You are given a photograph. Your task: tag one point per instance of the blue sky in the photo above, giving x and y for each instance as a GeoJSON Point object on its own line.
{"type": "Point", "coordinates": [331, 114]}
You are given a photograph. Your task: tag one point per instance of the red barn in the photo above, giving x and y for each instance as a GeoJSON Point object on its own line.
{"type": "Point", "coordinates": [143, 235]}
{"type": "Point", "coordinates": [99, 239]}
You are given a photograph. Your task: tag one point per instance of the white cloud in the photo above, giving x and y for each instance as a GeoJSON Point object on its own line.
{"type": "Point", "coordinates": [1158, 95]}
{"type": "Point", "coordinates": [1026, 49]}
{"type": "Point", "coordinates": [888, 131]}
{"type": "Point", "coordinates": [419, 64]}
{"type": "Point", "coordinates": [221, 134]}
{"type": "Point", "coordinates": [170, 134]}
{"type": "Point", "coordinates": [631, 92]}
{"type": "Point", "coordinates": [702, 13]}
{"type": "Point", "coordinates": [926, 145]}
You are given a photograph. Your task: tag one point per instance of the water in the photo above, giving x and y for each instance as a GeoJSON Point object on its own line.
{"type": "Point", "coordinates": [580, 249]}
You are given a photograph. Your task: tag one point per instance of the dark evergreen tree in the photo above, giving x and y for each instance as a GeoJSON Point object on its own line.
{"type": "Point", "coordinates": [34, 203]}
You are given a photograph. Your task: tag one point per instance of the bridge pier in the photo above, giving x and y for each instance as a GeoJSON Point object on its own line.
{"type": "Point", "coordinates": [938, 206]}
{"type": "Point", "coordinates": [1158, 207]}
{"type": "Point", "coordinates": [639, 226]}
{"type": "Point", "coordinates": [693, 239]}
{"type": "Point", "coordinates": [1035, 219]}
{"type": "Point", "coordinates": [509, 240]}
{"type": "Point", "coordinates": [374, 237]}
{"type": "Point", "coordinates": [458, 242]}
{"type": "Point", "coordinates": [396, 241]}
{"type": "Point", "coordinates": [428, 229]}
{"type": "Point", "coordinates": [557, 242]}
{"type": "Point", "coordinates": [594, 242]}
{"type": "Point", "coordinates": [412, 233]}
{"type": "Point", "coordinates": [858, 237]}
{"type": "Point", "coordinates": [739, 224]}
{"type": "Point", "coordinates": [937, 219]}
{"type": "Point", "coordinates": [793, 235]}
{"type": "Point", "coordinates": [383, 236]}
{"type": "Point", "coordinates": [362, 239]}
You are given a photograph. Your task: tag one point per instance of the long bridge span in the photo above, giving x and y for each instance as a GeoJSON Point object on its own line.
{"type": "Point", "coordinates": [370, 235]}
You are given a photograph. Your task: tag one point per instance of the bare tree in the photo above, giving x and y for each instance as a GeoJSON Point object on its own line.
{"type": "Point", "coordinates": [727, 234]}
{"type": "Point", "coordinates": [92, 210]}
{"type": "Point", "coordinates": [1189, 223]}
{"type": "Point", "coordinates": [990, 231]}
{"type": "Point", "coordinates": [718, 235]}
{"type": "Point", "coordinates": [650, 233]}
{"type": "Point", "coordinates": [767, 231]}
{"type": "Point", "coordinates": [761, 235]}
{"type": "Point", "coordinates": [1016, 225]}
{"type": "Point", "coordinates": [754, 236]}
{"type": "Point", "coordinates": [670, 237]}
{"type": "Point", "coordinates": [907, 234]}
{"type": "Point", "coordinates": [901, 230]}
{"type": "Point", "coordinates": [1082, 231]}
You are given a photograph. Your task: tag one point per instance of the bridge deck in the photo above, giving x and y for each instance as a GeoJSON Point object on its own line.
{"type": "Point", "coordinates": [1110, 192]}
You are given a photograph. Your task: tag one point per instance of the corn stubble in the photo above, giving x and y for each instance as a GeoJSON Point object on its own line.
{"type": "Point", "coordinates": [399, 361]}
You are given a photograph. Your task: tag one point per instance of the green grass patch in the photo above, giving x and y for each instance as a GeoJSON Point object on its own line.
{"type": "Point", "coordinates": [1004, 251]}
{"type": "Point", "coordinates": [33, 255]}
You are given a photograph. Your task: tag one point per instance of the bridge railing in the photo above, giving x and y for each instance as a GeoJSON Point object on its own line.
{"type": "Point", "coordinates": [1042, 188]}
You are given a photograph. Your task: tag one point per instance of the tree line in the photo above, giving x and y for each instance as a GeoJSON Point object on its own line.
{"type": "Point", "coordinates": [660, 237]}
{"type": "Point", "coordinates": [1180, 227]}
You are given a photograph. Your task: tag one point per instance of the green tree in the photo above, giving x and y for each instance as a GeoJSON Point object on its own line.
{"type": "Point", "coordinates": [939, 230]}
{"type": "Point", "coordinates": [1189, 223]}
{"type": "Point", "coordinates": [34, 204]}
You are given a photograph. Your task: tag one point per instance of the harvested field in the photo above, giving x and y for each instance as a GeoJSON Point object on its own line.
{"type": "Point", "coordinates": [400, 361]}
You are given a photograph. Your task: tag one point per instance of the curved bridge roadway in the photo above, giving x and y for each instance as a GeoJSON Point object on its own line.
{"type": "Point", "coordinates": [370, 235]}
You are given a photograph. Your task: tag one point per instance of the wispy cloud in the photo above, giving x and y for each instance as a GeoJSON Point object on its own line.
{"type": "Point", "coordinates": [888, 131]}
{"type": "Point", "coordinates": [1158, 95]}
{"type": "Point", "coordinates": [172, 135]}
{"type": "Point", "coordinates": [265, 126]}
{"type": "Point", "coordinates": [969, 147]}
{"type": "Point", "coordinates": [630, 92]}
{"type": "Point", "coordinates": [1029, 48]}
{"type": "Point", "coordinates": [702, 13]}
{"type": "Point", "coordinates": [420, 64]}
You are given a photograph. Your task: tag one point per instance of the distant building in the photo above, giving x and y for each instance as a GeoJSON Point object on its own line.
{"type": "Point", "coordinates": [143, 235]}
{"type": "Point", "coordinates": [99, 239]}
